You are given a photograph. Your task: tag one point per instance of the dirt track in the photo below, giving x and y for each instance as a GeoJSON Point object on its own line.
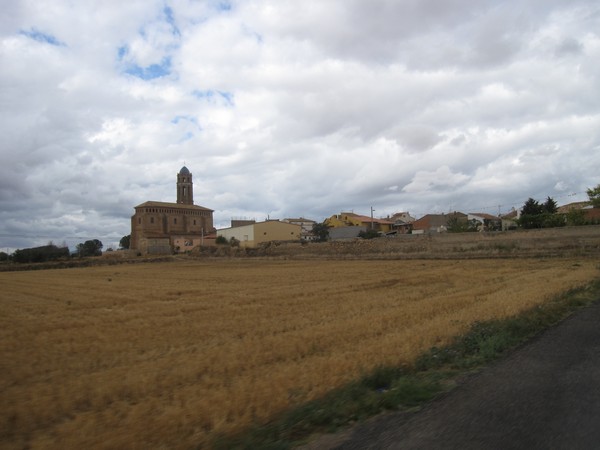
{"type": "Point", "coordinates": [544, 396]}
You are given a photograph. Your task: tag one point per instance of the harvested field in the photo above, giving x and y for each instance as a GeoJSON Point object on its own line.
{"type": "Point", "coordinates": [165, 355]}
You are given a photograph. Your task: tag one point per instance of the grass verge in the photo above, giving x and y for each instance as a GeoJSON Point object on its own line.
{"type": "Point", "coordinates": [395, 388]}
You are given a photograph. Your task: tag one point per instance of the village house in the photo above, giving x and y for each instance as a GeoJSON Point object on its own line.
{"type": "Point", "coordinates": [402, 222]}
{"type": "Point", "coordinates": [436, 223]}
{"type": "Point", "coordinates": [589, 213]}
{"type": "Point", "coordinates": [306, 225]}
{"type": "Point", "coordinates": [349, 219]}
{"type": "Point", "coordinates": [255, 234]}
{"type": "Point", "coordinates": [486, 222]}
{"type": "Point", "coordinates": [347, 225]}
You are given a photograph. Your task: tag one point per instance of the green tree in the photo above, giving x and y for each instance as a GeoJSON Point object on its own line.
{"type": "Point", "coordinates": [550, 206]}
{"type": "Point", "coordinates": [456, 224]}
{"type": "Point", "coordinates": [40, 254]}
{"type": "Point", "coordinates": [553, 220]}
{"type": "Point", "coordinates": [575, 217]}
{"type": "Point", "coordinates": [92, 247]}
{"type": "Point", "coordinates": [531, 208]}
{"type": "Point", "coordinates": [536, 215]}
{"type": "Point", "coordinates": [125, 242]}
{"type": "Point", "coordinates": [594, 196]}
{"type": "Point", "coordinates": [531, 214]}
{"type": "Point", "coordinates": [321, 231]}
{"type": "Point", "coordinates": [3, 256]}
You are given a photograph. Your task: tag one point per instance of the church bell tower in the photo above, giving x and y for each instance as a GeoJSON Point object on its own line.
{"type": "Point", "coordinates": [185, 187]}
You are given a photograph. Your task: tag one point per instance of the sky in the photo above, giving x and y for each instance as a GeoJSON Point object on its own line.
{"type": "Point", "coordinates": [284, 108]}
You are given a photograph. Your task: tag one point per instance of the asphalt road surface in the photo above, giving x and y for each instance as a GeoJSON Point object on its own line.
{"type": "Point", "coordinates": [545, 395]}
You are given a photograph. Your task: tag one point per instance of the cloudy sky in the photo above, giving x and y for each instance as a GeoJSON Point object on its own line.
{"type": "Point", "coordinates": [291, 108]}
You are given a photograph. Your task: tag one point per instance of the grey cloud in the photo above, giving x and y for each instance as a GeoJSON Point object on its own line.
{"type": "Point", "coordinates": [417, 138]}
{"type": "Point", "coordinates": [415, 105]}
{"type": "Point", "coordinates": [569, 46]}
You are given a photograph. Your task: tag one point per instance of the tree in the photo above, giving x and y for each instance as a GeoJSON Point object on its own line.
{"type": "Point", "coordinates": [536, 215]}
{"type": "Point", "coordinates": [594, 196]}
{"type": "Point", "coordinates": [456, 224]}
{"type": "Point", "coordinates": [531, 208]}
{"type": "Point", "coordinates": [40, 254]}
{"type": "Point", "coordinates": [575, 217]}
{"type": "Point", "coordinates": [125, 242]}
{"type": "Point", "coordinates": [321, 231]}
{"type": "Point", "coordinates": [550, 206]}
{"type": "Point", "coordinates": [90, 248]}
{"type": "Point", "coordinates": [531, 214]}
{"type": "Point", "coordinates": [3, 256]}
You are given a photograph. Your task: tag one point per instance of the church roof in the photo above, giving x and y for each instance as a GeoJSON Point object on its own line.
{"type": "Point", "coordinates": [152, 204]}
{"type": "Point", "coordinates": [184, 171]}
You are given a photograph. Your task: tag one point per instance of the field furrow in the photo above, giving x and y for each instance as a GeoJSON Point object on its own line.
{"type": "Point", "coordinates": [168, 354]}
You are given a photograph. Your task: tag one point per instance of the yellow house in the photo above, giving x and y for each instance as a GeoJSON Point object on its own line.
{"type": "Point", "coordinates": [257, 233]}
{"type": "Point", "coordinates": [348, 219]}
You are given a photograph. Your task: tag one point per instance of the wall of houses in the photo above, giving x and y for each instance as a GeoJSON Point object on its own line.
{"type": "Point", "coordinates": [345, 232]}
{"type": "Point", "coordinates": [345, 219]}
{"type": "Point", "coordinates": [183, 244]}
{"type": "Point", "coordinates": [251, 236]}
{"type": "Point", "coordinates": [436, 223]}
{"type": "Point", "coordinates": [157, 246]}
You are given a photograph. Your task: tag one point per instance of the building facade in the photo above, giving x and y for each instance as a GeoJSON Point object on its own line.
{"type": "Point", "coordinates": [162, 227]}
{"type": "Point", "coordinates": [437, 223]}
{"type": "Point", "coordinates": [306, 225]}
{"type": "Point", "coordinates": [253, 235]}
{"type": "Point", "coordinates": [349, 219]}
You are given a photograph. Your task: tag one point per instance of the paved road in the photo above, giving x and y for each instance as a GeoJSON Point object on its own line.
{"type": "Point", "coordinates": [546, 395]}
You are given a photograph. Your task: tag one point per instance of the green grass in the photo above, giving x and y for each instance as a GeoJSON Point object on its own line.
{"type": "Point", "coordinates": [396, 388]}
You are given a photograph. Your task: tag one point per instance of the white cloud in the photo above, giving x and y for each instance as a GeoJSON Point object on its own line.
{"type": "Point", "coordinates": [286, 109]}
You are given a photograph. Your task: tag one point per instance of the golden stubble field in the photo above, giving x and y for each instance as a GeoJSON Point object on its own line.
{"type": "Point", "coordinates": [166, 355]}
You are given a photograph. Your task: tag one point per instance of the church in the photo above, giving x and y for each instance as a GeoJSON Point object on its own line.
{"type": "Point", "coordinates": [162, 227]}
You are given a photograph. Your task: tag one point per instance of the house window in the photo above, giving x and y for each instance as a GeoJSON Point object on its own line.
{"type": "Point", "coordinates": [175, 221]}
{"type": "Point", "coordinates": [151, 219]}
{"type": "Point", "coordinates": [194, 221]}
{"type": "Point", "coordinates": [139, 220]}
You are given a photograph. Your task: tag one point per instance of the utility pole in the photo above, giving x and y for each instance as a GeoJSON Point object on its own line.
{"type": "Point", "coordinates": [372, 210]}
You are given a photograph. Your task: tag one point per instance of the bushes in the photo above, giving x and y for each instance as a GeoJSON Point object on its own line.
{"type": "Point", "coordinates": [369, 234]}
{"type": "Point", "coordinates": [40, 254]}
